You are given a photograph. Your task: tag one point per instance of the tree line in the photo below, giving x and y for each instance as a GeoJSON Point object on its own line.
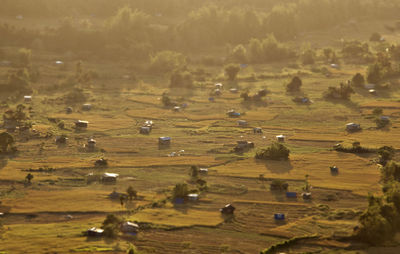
{"type": "Point", "coordinates": [139, 27]}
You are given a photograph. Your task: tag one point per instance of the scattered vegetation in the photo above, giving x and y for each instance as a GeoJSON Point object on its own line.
{"type": "Point", "coordinates": [132, 193]}
{"type": "Point", "coordinates": [256, 98]}
{"type": "Point", "coordinates": [279, 185]}
{"type": "Point", "coordinates": [181, 190]}
{"type": "Point", "coordinates": [276, 151]}
{"type": "Point", "coordinates": [354, 148]}
{"type": "Point", "coordinates": [358, 80]}
{"type": "Point", "coordinates": [379, 223]}
{"type": "Point", "coordinates": [136, 61]}
{"type": "Point", "coordinates": [343, 92]}
{"type": "Point", "coordinates": [294, 85]}
{"type": "Point", "coordinates": [386, 153]}
{"type": "Point", "coordinates": [181, 79]}
{"type": "Point", "coordinates": [6, 142]}
{"type": "Point", "coordinates": [111, 225]}
{"type": "Point", "coordinates": [232, 71]}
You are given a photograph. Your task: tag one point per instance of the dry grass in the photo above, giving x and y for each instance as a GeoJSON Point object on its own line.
{"type": "Point", "coordinates": [70, 200]}
{"type": "Point", "coordinates": [98, 122]}
{"type": "Point", "coordinates": [316, 165]}
{"type": "Point", "coordinates": [179, 218]}
{"type": "Point", "coordinates": [198, 129]}
{"type": "Point", "coordinates": [42, 238]}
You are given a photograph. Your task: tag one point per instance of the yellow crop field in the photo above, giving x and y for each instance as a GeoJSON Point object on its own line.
{"type": "Point", "coordinates": [181, 97]}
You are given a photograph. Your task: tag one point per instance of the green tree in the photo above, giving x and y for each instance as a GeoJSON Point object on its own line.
{"type": "Point", "coordinates": [255, 51]}
{"type": "Point", "coordinates": [391, 171]}
{"type": "Point", "coordinates": [375, 74]}
{"type": "Point", "coordinates": [166, 100]}
{"type": "Point", "coordinates": [29, 178]}
{"type": "Point", "coordinates": [239, 54]}
{"type": "Point", "coordinates": [294, 85]}
{"type": "Point", "coordinates": [19, 113]}
{"type": "Point", "coordinates": [167, 61]}
{"type": "Point", "coordinates": [279, 185]}
{"type": "Point", "coordinates": [6, 140]}
{"type": "Point", "coordinates": [194, 171]}
{"type": "Point", "coordinates": [307, 186]}
{"type": "Point", "coordinates": [180, 191]}
{"type": "Point", "coordinates": [358, 80]}
{"type": "Point", "coordinates": [25, 57]}
{"type": "Point", "coordinates": [377, 111]}
{"type": "Point", "coordinates": [129, 25]}
{"type": "Point", "coordinates": [276, 151]}
{"type": "Point", "coordinates": [181, 79]}
{"type": "Point", "coordinates": [75, 96]}
{"type": "Point", "coordinates": [343, 92]}
{"type": "Point", "coordinates": [132, 193]}
{"type": "Point", "coordinates": [111, 225]}
{"type": "Point", "coordinates": [375, 228]}
{"type": "Point", "coordinates": [330, 55]}
{"type": "Point", "coordinates": [19, 82]}
{"type": "Point", "coordinates": [386, 153]}
{"type": "Point", "coordinates": [132, 249]}
{"type": "Point", "coordinates": [308, 56]}
{"type": "Point", "coordinates": [231, 71]}
{"type": "Point", "coordinates": [391, 190]}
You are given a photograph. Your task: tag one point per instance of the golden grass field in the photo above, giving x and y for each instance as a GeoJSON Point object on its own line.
{"type": "Point", "coordinates": [200, 130]}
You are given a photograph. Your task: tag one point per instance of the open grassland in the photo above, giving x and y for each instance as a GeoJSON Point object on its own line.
{"type": "Point", "coordinates": [203, 135]}
{"type": "Point", "coordinates": [40, 238]}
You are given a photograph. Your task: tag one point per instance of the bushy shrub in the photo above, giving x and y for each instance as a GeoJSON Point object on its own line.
{"type": "Point", "coordinates": [377, 111]}
{"type": "Point", "coordinates": [308, 57]}
{"type": "Point", "coordinates": [6, 141]}
{"type": "Point", "coordinates": [231, 71]}
{"type": "Point", "coordinates": [358, 80]}
{"type": "Point", "coordinates": [381, 69]}
{"type": "Point", "coordinates": [294, 85]}
{"type": "Point", "coordinates": [381, 122]}
{"type": "Point", "coordinates": [25, 57]}
{"type": "Point", "coordinates": [256, 98]}
{"type": "Point", "coordinates": [355, 49]}
{"type": "Point", "coordinates": [128, 24]}
{"type": "Point", "coordinates": [375, 73]}
{"type": "Point", "coordinates": [267, 50]}
{"type": "Point", "coordinates": [194, 171]}
{"type": "Point", "coordinates": [180, 190]}
{"type": "Point", "coordinates": [342, 92]}
{"type": "Point", "coordinates": [391, 171]}
{"type": "Point", "coordinates": [239, 54]}
{"type": "Point", "coordinates": [375, 37]}
{"type": "Point", "coordinates": [355, 148]}
{"type": "Point", "coordinates": [167, 61]}
{"type": "Point", "coordinates": [386, 153]}
{"type": "Point", "coordinates": [380, 221]}
{"type": "Point", "coordinates": [391, 189]}
{"type": "Point", "coordinates": [75, 96]}
{"type": "Point", "coordinates": [276, 151]}
{"type": "Point", "coordinates": [375, 228]}
{"type": "Point", "coordinates": [181, 79]}
{"type": "Point", "coordinates": [279, 185]}
{"type": "Point", "coordinates": [132, 249]}
{"type": "Point", "coordinates": [330, 55]}
{"type": "Point", "coordinates": [18, 82]}
{"type": "Point", "coordinates": [111, 225]}
{"type": "Point", "coordinates": [166, 100]}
